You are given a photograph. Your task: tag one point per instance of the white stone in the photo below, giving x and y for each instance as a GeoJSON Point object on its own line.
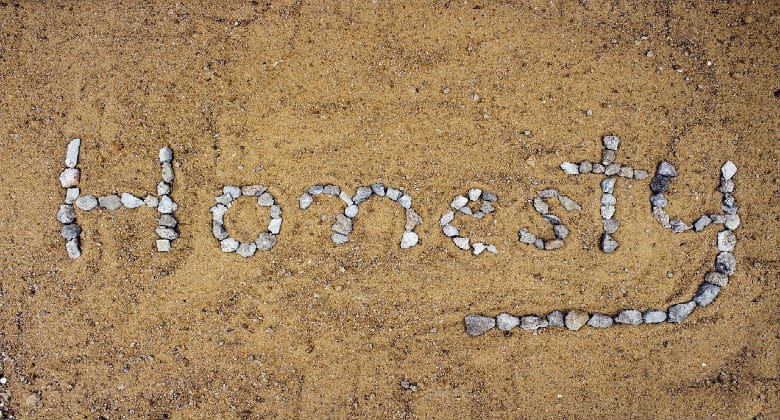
{"type": "Point", "coordinates": [732, 221]}
{"type": "Point", "coordinates": [305, 200]}
{"type": "Point", "coordinates": [265, 241]}
{"type": "Point", "coordinates": [505, 322]}
{"type": "Point", "coordinates": [66, 214]}
{"type": "Point", "coordinates": [667, 169]}
{"type": "Point", "coordinates": [265, 200]}
{"type": "Point", "coordinates": [218, 212]}
{"type": "Point", "coordinates": [163, 188]}
{"type": "Point", "coordinates": [229, 245]}
{"type": "Point", "coordinates": [252, 190]}
{"type": "Point", "coordinates": [86, 202]}
{"type": "Point", "coordinates": [166, 154]}
{"type": "Point", "coordinates": [72, 247]}
{"type": "Point", "coordinates": [474, 194]}
{"type": "Point", "coordinates": [409, 239]}
{"type": "Point", "coordinates": [447, 218]}
{"type": "Point", "coordinates": [246, 250]}
{"type": "Point", "coordinates": [568, 203]}
{"type": "Point", "coordinates": [110, 202]}
{"type": "Point", "coordinates": [728, 170]}
{"type": "Point", "coordinates": [611, 142]}
{"type": "Point", "coordinates": [405, 201]}
{"type": "Point", "coordinates": [726, 240]}
{"type": "Point", "coordinates": [71, 194]}
{"type": "Point", "coordinates": [570, 168]}
{"type": "Point", "coordinates": [151, 201]}
{"type": "Point", "coordinates": [449, 230]}
{"type": "Point", "coordinates": [461, 242]}
{"type": "Point", "coordinates": [72, 153]}
{"type": "Point", "coordinates": [167, 205]}
{"type": "Point", "coordinates": [231, 190]}
{"type": "Point", "coordinates": [130, 201]}
{"type": "Point", "coordinates": [346, 198]}
{"type": "Point", "coordinates": [274, 226]}
{"type": "Point", "coordinates": [459, 202]}
{"type": "Point", "coordinates": [478, 248]}
{"type": "Point", "coordinates": [607, 212]}
{"type": "Point", "coordinates": [163, 245]}
{"type": "Point", "coordinates": [70, 177]}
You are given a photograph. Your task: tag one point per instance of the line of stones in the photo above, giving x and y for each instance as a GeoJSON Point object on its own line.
{"type": "Point", "coordinates": [542, 207]}
{"type": "Point", "coordinates": [461, 204]}
{"type": "Point", "coordinates": [725, 267]}
{"type": "Point", "coordinates": [265, 240]}
{"type": "Point", "coordinates": [342, 226]}
{"type": "Point", "coordinates": [66, 214]}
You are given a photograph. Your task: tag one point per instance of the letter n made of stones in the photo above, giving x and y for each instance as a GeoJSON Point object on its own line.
{"type": "Point", "coordinates": [167, 229]}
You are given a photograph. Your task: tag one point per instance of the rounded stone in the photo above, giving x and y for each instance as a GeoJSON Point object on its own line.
{"type": "Point", "coordinates": [576, 319]}
{"type": "Point", "coordinates": [477, 325]}
{"type": "Point", "coordinates": [506, 322]}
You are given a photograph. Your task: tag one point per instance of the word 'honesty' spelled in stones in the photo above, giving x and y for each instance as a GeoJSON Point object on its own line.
{"type": "Point", "coordinates": [168, 227]}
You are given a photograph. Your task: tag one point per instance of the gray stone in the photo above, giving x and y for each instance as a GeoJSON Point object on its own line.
{"type": "Point", "coordinates": [608, 244]}
{"type": "Point", "coordinates": [718, 279]}
{"type": "Point", "coordinates": [666, 169]}
{"type": "Point", "coordinates": [70, 177]}
{"type": "Point", "coordinates": [218, 212]}
{"type": "Point", "coordinates": [706, 294]}
{"type": "Point", "coordinates": [526, 237]}
{"type": "Point", "coordinates": [466, 210]}
{"type": "Point", "coordinates": [151, 201]}
{"type": "Point", "coordinates": [218, 230]}
{"type": "Point", "coordinates": [449, 231]}
{"type": "Point", "coordinates": [458, 202]}
{"type": "Point", "coordinates": [246, 250]}
{"type": "Point", "coordinates": [539, 243]}
{"type": "Point", "coordinates": [409, 239]}
{"type": "Point", "coordinates": [72, 247]}
{"type": "Point", "coordinates": [662, 217]}
{"type": "Point", "coordinates": [555, 319]}
{"type": "Point", "coordinates": [486, 207]}
{"type": "Point", "coordinates": [505, 322]}
{"type": "Point", "coordinates": [110, 202]}
{"type": "Point", "coordinates": [166, 233]}
{"type": "Point", "coordinates": [66, 214]}
{"type": "Point", "coordinates": [378, 189]}
{"type": "Point", "coordinates": [362, 194]}
{"type": "Point", "coordinates": [489, 196]}
{"type": "Point", "coordinates": [678, 226]}
{"type": "Point", "coordinates": [610, 225]}
{"type": "Point", "coordinates": [552, 219]}
{"type": "Point", "coordinates": [253, 190]}
{"type": "Point", "coordinates": [70, 231]}
{"type": "Point", "coordinates": [86, 202]}
{"type": "Point", "coordinates": [491, 248]}
{"type": "Point", "coordinates": [265, 241]}
{"type": "Point", "coordinates": [163, 245]}
{"type": "Point", "coordinates": [576, 319]}
{"type": "Point", "coordinates": [163, 188]}
{"type": "Point", "coordinates": [331, 190]}
{"type": "Point", "coordinates": [608, 156]}
{"type": "Point", "coordinates": [659, 184]}
{"type": "Point", "coordinates": [351, 211]}
{"type": "Point", "coordinates": [718, 218]}
{"type": "Point", "coordinates": [478, 248]}
{"type": "Point", "coordinates": [72, 153]}
{"type": "Point", "coordinates": [265, 199]}
{"type": "Point", "coordinates": [608, 185]}
{"type": "Point", "coordinates": [540, 206]}
{"type": "Point", "coordinates": [608, 199]}
{"type": "Point", "coordinates": [130, 201]}
{"type": "Point", "coordinates": [629, 316]}
{"type": "Point", "coordinates": [461, 242]}
{"type": "Point", "coordinates": [532, 323]}
{"type": "Point", "coordinates": [167, 205]}
{"type": "Point", "coordinates": [167, 220]}
{"type": "Point", "coordinates": [231, 190]}
{"type": "Point", "coordinates": [229, 245]}
{"type": "Point", "coordinates": [640, 174]}
{"type": "Point", "coordinates": [585, 167]}
{"type": "Point", "coordinates": [447, 218]}
{"type": "Point", "coordinates": [276, 212]}
{"type": "Point", "coordinates": [728, 170]}
{"type": "Point", "coordinates": [561, 232]}
{"type": "Point", "coordinates": [626, 172]}
{"type": "Point", "coordinates": [71, 194]}
{"type": "Point", "coordinates": [393, 194]}
{"type": "Point", "coordinates": [346, 198]}
{"type": "Point", "coordinates": [611, 142]}
{"type": "Point", "coordinates": [701, 223]}
{"type": "Point", "coordinates": [598, 168]}
{"type": "Point", "coordinates": [315, 190]}
{"type": "Point", "coordinates": [568, 203]}
{"type": "Point", "coordinates": [166, 170]}
{"type": "Point", "coordinates": [275, 226]}
{"type": "Point", "coordinates": [678, 313]}
{"type": "Point", "coordinates": [658, 200]}
{"type": "Point", "coordinates": [732, 221]}
{"type": "Point", "coordinates": [607, 211]}
{"type": "Point", "coordinates": [726, 240]}
{"type": "Point", "coordinates": [342, 225]}
{"type": "Point", "coordinates": [726, 186]}
{"type": "Point", "coordinates": [339, 239]}
{"type": "Point", "coordinates": [166, 154]}
{"type": "Point", "coordinates": [405, 201]}
{"type": "Point", "coordinates": [478, 324]}
{"type": "Point", "coordinates": [612, 169]}
{"type": "Point", "coordinates": [600, 321]}
{"type": "Point", "coordinates": [570, 168]}
{"type": "Point", "coordinates": [730, 209]}
{"type": "Point", "coordinates": [304, 201]}
{"type": "Point", "coordinates": [654, 316]}
{"type": "Point", "coordinates": [553, 244]}
{"type": "Point", "coordinates": [728, 200]}
{"type": "Point", "coordinates": [548, 193]}
{"type": "Point", "coordinates": [725, 263]}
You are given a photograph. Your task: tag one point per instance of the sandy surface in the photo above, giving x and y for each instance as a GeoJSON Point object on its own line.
{"type": "Point", "coordinates": [292, 94]}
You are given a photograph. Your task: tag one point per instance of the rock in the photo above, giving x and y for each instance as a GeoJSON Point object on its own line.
{"type": "Point", "coordinates": [491, 248]}
{"type": "Point", "coordinates": [701, 223]}
{"type": "Point", "coordinates": [611, 142]}
{"type": "Point", "coordinates": [585, 167]}
{"type": "Point", "coordinates": [561, 232]}
{"type": "Point", "coordinates": [412, 219]}
{"type": "Point", "coordinates": [405, 201]}
{"type": "Point", "coordinates": [548, 193]}
{"type": "Point", "coordinates": [71, 194]}
{"type": "Point", "coordinates": [478, 324]}
{"type": "Point", "coordinates": [540, 206]}
{"type": "Point", "coordinates": [489, 196]}
{"type": "Point", "coordinates": [339, 239]}
{"type": "Point", "coordinates": [728, 170]}
{"type": "Point", "coordinates": [612, 169]}
{"type": "Point", "coordinates": [662, 217]}
{"type": "Point", "coordinates": [553, 244]}
{"type": "Point", "coordinates": [608, 185]}
{"type": "Point", "coordinates": [610, 225]}
{"type": "Point", "coordinates": [252, 190]}
{"type": "Point", "coordinates": [555, 319]}
{"type": "Point", "coordinates": [276, 212]}
{"type": "Point", "coordinates": [539, 243]}
{"type": "Point", "coordinates": [342, 225]}
{"type": "Point", "coordinates": [725, 263]}
{"type": "Point", "coordinates": [600, 321]}
{"type": "Point", "coordinates": [608, 156]}
{"type": "Point", "coordinates": [678, 226]}
{"type": "Point", "coordinates": [163, 188]}
{"type": "Point", "coordinates": [351, 211]}
{"type": "Point", "coordinates": [626, 172]}
{"type": "Point", "coordinates": [167, 205]}
{"type": "Point", "coordinates": [218, 212]}
{"type": "Point", "coordinates": [640, 174]}
{"type": "Point", "coordinates": [570, 168]}
{"type": "Point", "coordinates": [608, 244]}
{"type": "Point", "coordinates": [70, 231]}
{"type": "Point", "coordinates": [86, 202]}
{"type": "Point", "coordinates": [718, 219]}
{"type": "Point", "coordinates": [726, 240]}
{"type": "Point", "coordinates": [718, 279]}
{"type": "Point", "coordinates": [166, 233]}
{"type": "Point", "coordinates": [666, 169]}
{"type": "Point", "coordinates": [166, 169]}
{"type": "Point", "coordinates": [658, 200]}
{"type": "Point", "coordinates": [72, 247]}
{"type": "Point", "coordinates": [726, 186]}
{"type": "Point", "coordinates": [505, 322]}
{"type": "Point", "coordinates": [246, 250]}
{"type": "Point", "coordinates": [409, 239]}
{"type": "Point", "coordinates": [315, 190]}
{"type": "Point", "coordinates": [265, 241]}
{"type": "Point", "coordinates": [678, 313]}
{"type": "Point", "coordinates": [449, 231]}
{"type": "Point", "coordinates": [151, 201]}
{"type": "Point", "coordinates": [331, 190]}
{"type": "Point", "coordinates": [304, 201]}
{"type": "Point", "coordinates": [475, 194]}
{"type": "Point", "coordinates": [447, 218]}
{"type": "Point", "coordinates": [163, 245]}
{"type": "Point", "coordinates": [552, 219]}
{"type": "Point", "coordinates": [110, 202]}
{"type": "Point", "coordinates": [66, 214]}
{"type": "Point", "coordinates": [130, 201]}
{"type": "Point", "coordinates": [576, 319]}
{"type": "Point", "coordinates": [607, 211]}
{"type": "Point", "coordinates": [526, 237]}
{"type": "Point", "coordinates": [478, 248]}
{"type": "Point", "coordinates": [598, 168]}
{"type": "Point", "coordinates": [70, 177]}
{"type": "Point", "coordinates": [378, 189]}
{"type": "Point", "coordinates": [532, 323]}
{"type": "Point", "coordinates": [706, 294]}
{"type": "Point", "coordinates": [233, 191]}
{"type": "Point", "coordinates": [346, 198]}
{"type": "Point", "coordinates": [275, 226]}
{"type": "Point", "coordinates": [265, 199]}
{"type": "Point", "coordinates": [33, 400]}
{"type": "Point", "coordinates": [167, 220]}
{"type": "Point", "coordinates": [568, 203]}
{"type": "Point", "coordinates": [229, 245]}
{"type": "Point", "coordinates": [218, 230]}
{"type": "Point", "coordinates": [393, 194]}
{"type": "Point", "coordinates": [486, 208]}
{"type": "Point", "coordinates": [72, 153]}
{"type": "Point", "coordinates": [166, 155]}
{"type": "Point", "coordinates": [659, 184]}
{"type": "Point", "coordinates": [461, 242]}
{"type": "Point", "coordinates": [629, 316]}
{"type": "Point", "coordinates": [732, 221]}
{"type": "Point", "coordinates": [362, 194]}
{"type": "Point", "coordinates": [653, 316]}
{"type": "Point", "coordinates": [608, 199]}
{"type": "Point", "coordinates": [458, 202]}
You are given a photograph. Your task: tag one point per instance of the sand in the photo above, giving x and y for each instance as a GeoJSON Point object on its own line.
{"type": "Point", "coordinates": [290, 94]}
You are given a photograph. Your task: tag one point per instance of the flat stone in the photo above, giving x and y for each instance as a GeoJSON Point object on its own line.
{"type": "Point", "coordinates": [166, 233]}
{"type": "Point", "coordinates": [626, 172]}
{"type": "Point", "coordinates": [70, 231]}
{"type": "Point", "coordinates": [253, 190]}
{"type": "Point", "coordinates": [658, 200]}
{"type": "Point", "coordinates": [678, 226]}
{"type": "Point", "coordinates": [166, 154]}
{"type": "Point", "coordinates": [489, 196]}
{"type": "Point", "coordinates": [561, 232]}
{"type": "Point", "coordinates": [718, 279]}
{"type": "Point", "coordinates": [598, 168]}
{"type": "Point", "coordinates": [568, 203]}
{"type": "Point", "coordinates": [629, 316]}
{"type": "Point", "coordinates": [163, 245]}
{"type": "Point", "coordinates": [611, 142]}
{"type": "Point", "coordinates": [315, 190]}
{"type": "Point", "coordinates": [346, 198]}
{"type": "Point", "coordinates": [167, 205]}
{"type": "Point", "coordinates": [540, 206]}
{"type": "Point", "coordinates": [640, 174]}
{"type": "Point", "coordinates": [66, 214]}
{"type": "Point", "coordinates": [532, 323]}
{"type": "Point", "coordinates": [405, 201]}
{"type": "Point", "coordinates": [447, 218]}
{"type": "Point", "coordinates": [706, 294]}
{"type": "Point", "coordinates": [600, 321]}
{"type": "Point", "coordinates": [461, 242]}
{"type": "Point", "coordinates": [72, 248]}
{"type": "Point", "coordinates": [225, 199]}
{"type": "Point", "coordinates": [678, 313]}
{"type": "Point", "coordinates": [110, 202]}
{"type": "Point", "coordinates": [553, 244]}
{"type": "Point", "coordinates": [701, 223]}
{"type": "Point", "coordinates": [726, 186]}
{"type": "Point", "coordinates": [654, 316]}
{"type": "Point", "coordinates": [607, 211]}
{"type": "Point", "coordinates": [728, 170]}
{"type": "Point", "coordinates": [570, 168]}
{"type": "Point", "coordinates": [229, 245]}
{"type": "Point", "coordinates": [218, 230]}
{"type": "Point", "coordinates": [71, 194]}
{"type": "Point", "coordinates": [331, 190]}
{"type": "Point", "coordinates": [265, 241]}
{"type": "Point", "coordinates": [339, 239]}
{"type": "Point", "coordinates": [466, 210]}
{"type": "Point", "coordinates": [726, 240]}
{"type": "Point", "coordinates": [612, 169]}
{"type": "Point", "coordinates": [491, 248]}
{"type": "Point", "coordinates": [87, 202]}
{"type": "Point", "coordinates": [662, 217]}
{"type": "Point", "coordinates": [265, 199]}
{"type": "Point", "coordinates": [608, 199]}
{"type": "Point", "coordinates": [526, 237]}
{"type": "Point", "coordinates": [539, 243]}
{"type": "Point", "coordinates": [151, 201]}
{"type": "Point", "coordinates": [70, 177]}
{"type": "Point", "coordinates": [552, 219]}
{"type": "Point", "coordinates": [342, 225]}
{"type": "Point", "coordinates": [718, 219]}
{"type": "Point", "coordinates": [585, 167]}
{"type": "Point", "coordinates": [610, 225]}
{"type": "Point", "coordinates": [362, 194]}
{"type": "Point", "coordinates": [475, 194]}
{"type": "Point", "coordinates": [608, 185]}
{"type": "Point", "coordinates": [555, 319]}
{"type": "Point", "coordinates": [247, 249]}
{"type": "Point", "coordinates": [378, 189]}
{"type": "Point", "coordinates": [163, 188]}
{"type": "Point", "coordinates": [304, 201]}
{"type": "Point", "coordinates": [666, 169]}
{"type": "Point", "coordinates": [547, 193]}
{"type": "Point", "coordinates": [478, 324]}
{"type": "Point", "coordinates": [218, 212]}
{"type": "Point", "coordinates": [450, 231]}
{"type": "Point", "coordinates": [231, 190]}
{"type": "Point", "coordinates": [725, 263]}
{"type": "Point", "coordinates": [72, 153]}
{"type": "Point", "coordinates": [576, 319]}
{"type": "Point", "coordinates": [409, 239]}
{"type": "Point", "coordinates": [608, 156]}
{"type": "Point", "coordinates": [166, 171]}
{"type": "Point", "coordinates": [393, 194]}
{"type": "Point", "coordinates": [659, 184]}
{"type": "Point", "coordinates": [276, 212]}
{"type": "Point", "coordinates": [732, 221]}
{"type": "Point", "coordinates": [458, 202]}
{"type": "Point", "coordinates": [608, 244]}
{"type": "Point", "coordinates": [478, 248]}
{"type": "Point", "coordinates": [487, 207]}
{"type": "Point", "coordinates": [167, 220]}
{"type": "Point", "coordinates": [351, 211]}
{"type": "Point", "coordinates": [130, 201]}
{"type": "Point", "coordinates": [505, 322]}
{"type": "Point", "coordinates": [275, 225]}
{"type": "Point", "coordinates": [412, 219]}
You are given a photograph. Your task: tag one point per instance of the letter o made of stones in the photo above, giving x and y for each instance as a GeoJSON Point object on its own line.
{"type": "Point", "coordinates": [266, 240]}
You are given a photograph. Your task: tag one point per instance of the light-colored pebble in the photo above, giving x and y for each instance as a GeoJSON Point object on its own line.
{"type": "Point", "coordinates": [130, 201]}
{"type": "Point", "coordinates": [346, 198]}
{"type": "Point", "coordinates": [600, 321]}
{"type": "Point", "coordinates": [71, 194]}
{"type": "Point", "coordinates": [568, 203]}
{"type": "Point", "coordinates": [253, 190]}
{"type": "Point", "coordinates": [305, 200]}
{"type": "Point", "coordinates": [547, 193]}
{"type": "Point", "coordinates": [339, 239]}
{"type": "Point", "coordinates": [110, 202]}
{"type": "Point", "coordinates": [274, 226]}
{"type": "Point", "coordinates": [166, 233]}
{"type": "Point", "coordinates": [66, 214]}
{"type": "Point", "coordinates": [608, 156]}
{"type": "Point", "coordinates": [726, 240]}
{"type": "Point", "coordinates": [706, 294]}
{"type": "Point", "coordinates": [362, 194]}
{"type": "Point", "coordinates": [732, 221]}
{"type": "Point", "coordinates": [450, 231]}
{"type": "Point", "coordinates": [393, 194]}
{"type": "Point", "coordinates": [611, 142]}
{"type": "Point", "coordinates": [229, 245]}
{"type": "Point", "coordinates": [412, 219]}
{"type": "Point", "coordinates": [475, 194]}
{"type": "Point", "coordinates": [72, 153]}
{"type": "Point", "coordinates": [728, 170]}
{"type": "Point", "coordinates": [478, 248]}
{"type": "Point", "coordinates": [331, 190]}
{"type": "Point", "coordinates": [654, 316]}
{"type": "Point", "coordinates": [612, 169]}
{"type": "Point", "coordinates": [553, 244]}
{"type": "Point", "coordinates": [726, 263]}
{"type": "Point", "coordinates": [351, 211]}
{"type": "Point", "coordinates": [555, 319]}
{"type": "Point", "coordinates": [526, 237]}
{"type": "Point", "coordinates": [570, 168]}
{"type": "Point", "coordinates": [166, 154]}
{"type": "Point", "coordinates": [540, 206]}
{"type": "Point", "coordinates": [151, 201]}
{"type": "Point", "coordinates": [598, 168]}
{"type": "Point", "coordinates": [247, 249]}
{"type": "Point", "coordinates": [640, 174]}
{"type": "Point", "coordinates": [163, 188]}
{"type": "Point", "coordinates": [506, 322]}
{"type": "Point", "coordinates": [314, 190]}
{"type": "Point", "coordinates": [163, 245]}
{"type": "Point", "coordinates": [458, 202]}
{"type": "Point", "coordinates": [409, 239]}
{"type": "Point", "coordinates": [218, 230]}
{"type": "Point", "coordinates": [231, 190]}
{"type": "Point", "coordinates": [610, 225]}
{"type": "Point", "coordinates": [265, 199]}
{"type": "Point", "coordinates": [576, 319]}
{"type": "Point", "coordinates": [70, 177]}
{"type": "Point", "coordinates": [585, 167]}
{"type": "Point", "coordinates": [701, 223]}
{"type": "Point", "coordinates": [561, 231]}
{"type": "Point", "coordinates": [608, 185]}
{"type": "Point", "coordinates": [608, 244]}
{"type": "Point", "coordinates": [447, 218]}
{"type": "Point", "coordinates": [167, 205]}
{"type": "Point", "coordinates": [629, 316]}
{"type": "Point", "coordinates": [218, 212]}
{"type": "Point", "coordinates": [167, 220]}
{"type": "Point", "coordinates": [716, 278]}
{"type": "Point", "coordinates": [532, 323]}
{"type": "Point", "coordinates": [607, 211]}
{"type": "Point", "coordinates": [666, 169]}
{"type": "Point", "coordinates": [86, 202]}
{"type": "Point", "coordinates": [658, 200]}
{"type": "Point", "coordinates": [478, 324]}
{"type": "Point", "coordinates": [608, 199]}
{"type": "Point", "coordinates": [265, 241]}
{"type": "Point", "coordinates": [72, 248]}
{"type": "Point", "coordinates": [378, 189]}
{"type": "Point", "coordinates": [405, 201]}
{"type": "Point", "coordinates": [70, 231]}
{"type": "Point", "coordinates": [461, 242]}
{"type": "Point", "coordinates": [342, 225]}
{"type": "Point", "coordinates": [678, 313]}
{"type": "Point", "coordinates": [166, 170]}
{"type": "Point", "coordinates": [626, 172]}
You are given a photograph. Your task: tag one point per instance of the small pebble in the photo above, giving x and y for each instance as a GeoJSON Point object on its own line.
{"type": "Point", "coordinates": [450, 231]}
{"type": "Point", "coordinates": [629, 316]}
{"type": "Point", "coordinates": [351, 211]}
{"type": "Point", "coordinates": [725, 263]}
{"type": "Point", "coordinates": [346, 198]}
{"type": "Point", "coordinates": [610, 225]}
{"type": "Point", "coordinates": [70, 177]}
{"type": "Point", "coordinates": [167, 172]}
{"type": "Point", "coordinates": [163, 188]}
{"type": "Point", "coordinates": [539, 243]}
{"type": "Point", "coordinates": [265, 200]}
{"type": "Point", "coordinates": [274, 226]}
{"type": "Point", "coordinates": [151, 201]}
{"type": "Point", "coordinates": [475, 194]}
{"type": "Point", "coordinates": [478, 324]}
{"type": "Point", "coordinates": [726, 186]}
{"type": "Point", "coordinates": [568, 203]}
{"type": "Point", "coordinates": [233, 191]}
{"type": "Point", "coordinates": [678, 226]}
{"type": "Point", "coordinates": [505, 322]}
{"type": "Point", "coordinates": [86, 202]}
{"type": "Point", "coordinates": [339, 239]}
{"type": "Point", "coordinates": [576, 319]}
{"type": "Point", "coordinates": [253, 190]}
{"type": "Point", "coordinates": [561, 231]}
{"type": "Point", "coordinates": [163, 245]}
{"type": "Point", "coordinates": [716, 278]}
{"type": "Point", "coordinates": [626, 172]}
{"type": "Point", "coordinates": [110, 202]}
{"type": "Point", "coordinates": [461, 242]}
{"type": "Point", "coordinates": [585, 167]}
{"type": "Point", "coordinates": [314, 190]}
{"type": "Point", "coordinates": [555, 319]}
{"type": "Point", "coordinates": [246, 250]}
{"type": "Point", "coordinates": [305, 200]}
{"type": "Point", "coordinates": [728, 170]}
{"type": "Point", "coordinates": [570, 168]}
{"type": "Point", "coordinates": [662, 217]}
{"type": "Point", "coordinates": [166, 155]}
{"type": "Point", "coordinates": [607, 211]}
{"type": "Point", "coordinates": [600, 321]}
{"type": "Point", "coordinates": [726, 240]}
{"type": "Point", "coordinates": [552, 219]}
{"type": "Point", "coordinates": [540, 206]}
{"type": "Point", "coordinates": [612, 169]}
{"type": "Point", "coordinates": [276, 212]}
{"type": "Point", "coordinates": [447, 218]}
{"type": "Point", "coordinates": [405, 201]}
{"type": "Point", "coordinates": [526, 237]}
{"type": "Point", "coordinates": [640, 174]}
{"type": "Point", "coordinates": [608, 244]}
{"type": "Point", "coordinates": [731, 222]}
{"type": "Point", "coordinates": [218, 230]}
{"type": "Point", "coordinates": [532, 323]}
{"type": "Point", "coordinates": [72, 247]}
{"type": "Point", "coordinates": [72, 153]}
{"type": "Point", "coordinates": [130, 201]}
{"type": "Point", "coordinates": [654, 316]}
{"type": "Point", "coordinates": [229, 245]}
{"type": "Point", "coordinates": [393, 194]}
{"type": "Point", "coordinates": [489, 196]}
{"type": "Point", "coordinates": [409, 239]}
{"type": "Point", "coordinates": [478, 248]}
{"type": "Point", "coordinates": [167, 205]}
{"type": "Point", "coordinates": [553, 244]}
{"type": "Point", "coordinates": [378, 189]}
{"type": "Point", "coordinates": [166, 233]}
{"type": "Point", "coordinates": [706, 294]}
{"type": "Point", "coordinates": [701, 223]}
{"type": "Point", "coordinates": [218, 212]}
{"type": "Point", "coordinates": [608, 185]}
{"type": "Point", "coordinates": [71, 194]}
{"type": "Point", "coordinates": [362, 194]}
{"type": "Point", "coordinates": [598, 168]}
{"type": "Point", "coordinates": [167, 220]}
{"type": "Point", "coordinates": [458, 202]}
{"type": "Point", "coordinates": [608, 157]}
{"type": "Point", "coordinates": [70, 231]}
{"type": "Point", "coordinates": [331, 190]}
{"type": "Point", "coordinates": [611, 142]}
{"type": "Point", "coordinates": [265, 241]}
{"type": "Point", "coordinates": [678, 313]}
{"type": "Point", "coordinates": [666, 169]}
{"type": "Point", "coordinates": [608, 199]}
{"type": "Point", "coordinates": [659, 184]}
{"type": "Point", "coordinates": [342, 225]}
{"type": "Point", "coordinates": [66, 214]}
{"type": "Point", "coordinates": [548, 193]}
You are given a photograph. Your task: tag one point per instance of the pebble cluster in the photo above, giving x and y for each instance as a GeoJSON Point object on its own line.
{"type": "Point", "coordinates": [559, 229]}
{"type": "Point", "coordinates": [610, 170]}
{"type": "Point", "coordinates": [342, 227]}
{"type": "Point", "coordinates": [265, 240]}
{"type": "Point", "coordinates": [714, 280]}
{"type": "Point", "coordinates": [69, 178]}
{"type": "Point", "coordinates": [460, 204]}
